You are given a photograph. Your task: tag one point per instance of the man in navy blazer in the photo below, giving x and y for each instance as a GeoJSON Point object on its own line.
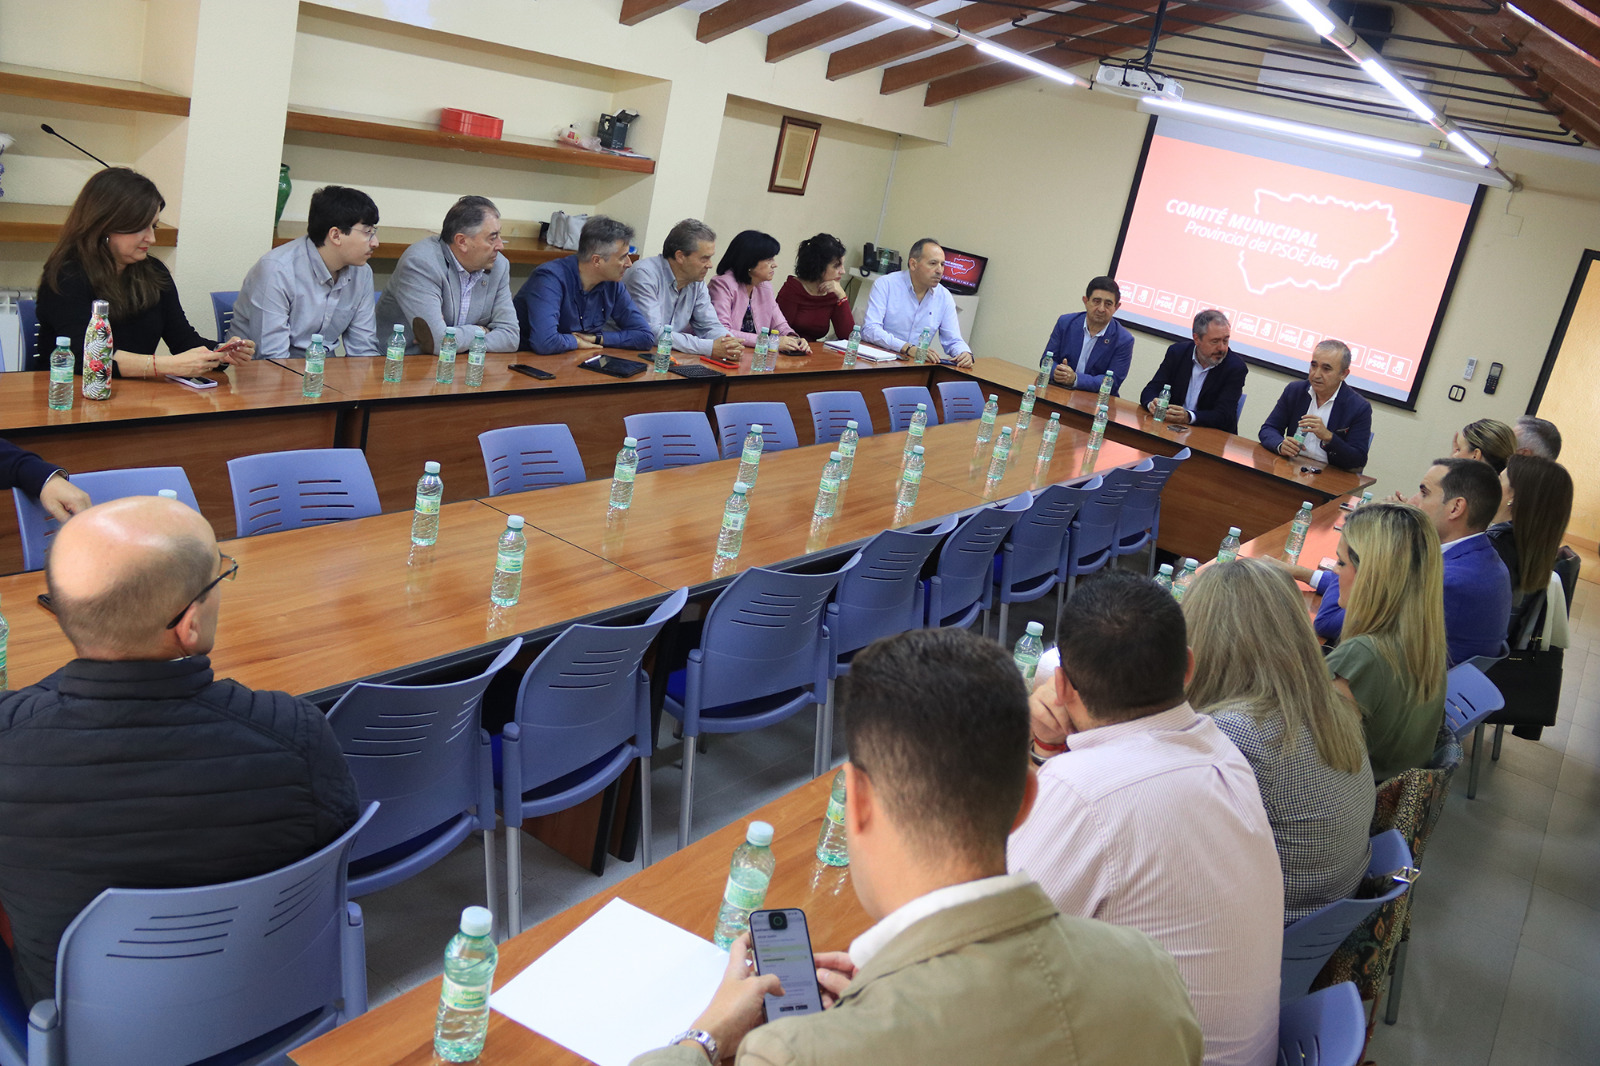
{"type": "Point", "coordinates": [1337, 421]}
{"type": "Point", "coordinates": [47, 482]}
{"type": "Point", "coordinates": [1087, 344]}
{"type": "Point", "coordinates": [1461, 497]}
{"type": "Point", "coordinates": [1206, 379]}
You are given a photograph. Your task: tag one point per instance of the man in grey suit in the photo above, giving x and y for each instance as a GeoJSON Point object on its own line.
{"type": "Point", "coordinates": [458, 278]}
{"type": "Point", "coordinates": [965, 964]}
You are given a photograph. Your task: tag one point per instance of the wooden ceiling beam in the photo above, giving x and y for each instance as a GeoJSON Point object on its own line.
{"type": "Point", "coordinates": [902, 44]}
{"type": "Point", "coordinates": [822, 28]}
{"type": "Point", "coordinates": [731, 16]}
{"type": "Point", "coordinates": [636, 11]}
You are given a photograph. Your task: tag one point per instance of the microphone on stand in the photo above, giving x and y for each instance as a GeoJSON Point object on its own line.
{"type": "Point", "coordinates": [46, 127]}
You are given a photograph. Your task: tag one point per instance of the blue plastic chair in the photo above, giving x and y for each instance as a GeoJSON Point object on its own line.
{"type": "Point", "coordinates": [1240, 412]}
{"type": "Point", "coordinates": [962, 585]}
{"type": "Point", "coordinates": [519, 458]}
{"type": "Point", "coordinates": [32, 358]}
{"type": "Point", "coordinates": [1139, 524]}
{"type": "Point", "coordinates": [583, 716]}
{"type": "Point", "coordinates": [1469, 699]}
{"type": "Point", "coordinates": [222, 307]}
{"type": "Point", "coordinates": [1326, 1028]}
{"type": "Point", "coordinates": [419, 752]}
{"type": "Point", "coordinates": [962, 401]}
{"type": "Point", "coordinates": [275, 491]}
{"type": "Point", "coordinates": [763, 656]}
{"type": "Point", "coordinates": [831, 410]}
{"type": "Point", "coordinates": [1309, 943]}
{"type": "Point", "coordinates": [246, 971]}
{"type": "Point", "coordinates": [672, 438]}
{"type": "Point", "coordinates": [38, 528]}
{"type": "Point", "coordinates": [902, 401]}
{"type": "Point", "coordinates": [1033, 557]}
{"type": "Point", "coordinates": [1093, 543]}
{"type": "Point", "coordinates": [377, 297]}
{"type": "Point", "coordinates": [735, 419]}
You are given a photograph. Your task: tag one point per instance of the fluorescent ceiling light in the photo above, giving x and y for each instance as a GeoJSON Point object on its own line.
{"type": "Point", "coordinates": [1463, 142]}
{"type": "Point", "coordinates": [1292, 129]}
{"type": "Point", "coordinates": [1398, 89]}
{"type": "Point", "coordinates": [1315, 17]}
{"type": "Point", "coordinates": [895, 11]}
{"type": "Point", "coordinates": [1006, 55]}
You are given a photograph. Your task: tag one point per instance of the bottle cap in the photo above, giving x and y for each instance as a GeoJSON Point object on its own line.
{"type": "Point", "coordinates": [759, 834]}
{"type": "Point", "coordinates": [316, 338]}
{"type": "Point", "coordinates": [1190, 564]}
{"type": "Point", "coordinates": [430, 468]}
{"type": "Point", "coordinates": [398, 328]}
{"type": "Point", "coordinates": [1055, 416]}
{"type": "Point", "coordinates": [1005, 431]}
{"type": "Point", "coordinates": [100, 307]}
{"type": "Point", "coordinates": [853, 424]}
{"type": "Point", "coordinates": [1233, 531]}
{"type": "Point", "coordinates": [1035, 629]}
{"type": "Point", "coordinates": [449, 331]}
{"type": "Point", "coordinates": [476, 921]}
{"type": "Point", "coordinates": [917, 450]}
{"type": "Point", "coordinates": [170, 494]}
{"type": "Point", "coordinates": [1166, 568]}
{"type": "Point", "coordinates": [993, 398]}
{"type": "Point", "coordinates": [630, 442]}
{"type": "Point", "coordinates": [1305, 505]}
{"type": "Point", "coordinates": [513, 521]}
{"type": "Point", "coordinates": [834, 457]}
{"type": "Point", "coordinates": [62, 342]}
{"type": "Point", "coordinates": [1048, 355]}
{"type": "Point", "coordinates": [477, 331]}
{"type": "Point", "coordinates": [922, 407]}
{"type": "Point", "coordinates": [740, 487]}
{"type": "Point", "coordinates": [755, 428]}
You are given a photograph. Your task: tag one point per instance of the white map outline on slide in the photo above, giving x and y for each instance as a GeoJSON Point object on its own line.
{"type": "Point", "coordinates": [1320, 201]}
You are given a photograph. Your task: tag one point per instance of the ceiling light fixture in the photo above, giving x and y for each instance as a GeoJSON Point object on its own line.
{"type": "Point", "coordinates": [1026, 62]}
{"type": "Point", "coordinates": [895, 11]}
{"type": "Point", "coordinates": [1314, 16]}
{"type": "Point", "coordinates": [1399, 90]}
{"type": "Point", "coordinates": [1463, 142]}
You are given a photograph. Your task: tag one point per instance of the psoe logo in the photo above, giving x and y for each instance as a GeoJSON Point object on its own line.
{"type": "Point", "coordinates": [1310, 242]}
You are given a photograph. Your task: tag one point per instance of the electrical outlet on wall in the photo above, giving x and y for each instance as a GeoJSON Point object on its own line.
{"type": "Point", "coordinates": [1472, 368]}
{"type": "Point", "coordinates": [1458, 393]}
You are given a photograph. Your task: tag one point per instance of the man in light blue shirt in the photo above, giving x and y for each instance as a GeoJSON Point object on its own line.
{"type": "Point", "coordinates": [319, 283]}
{"type": "Point", "coordinates": [670, 289]}
{"type": "Point", "coordinates": [906, 302]}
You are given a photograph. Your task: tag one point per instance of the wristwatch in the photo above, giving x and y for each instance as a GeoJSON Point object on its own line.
{"type": "Point", "coordinates": [600, 338]}
{"type": "Point", "coordinates": [706, 1041]}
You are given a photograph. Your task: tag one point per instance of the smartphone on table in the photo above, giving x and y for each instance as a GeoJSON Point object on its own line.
{"type": "Point", "coordinates": [530, 371]}
{"type": "Point", "coordinates": [782, 946]}
{"type": "Point", "coordinates": [193, 382]}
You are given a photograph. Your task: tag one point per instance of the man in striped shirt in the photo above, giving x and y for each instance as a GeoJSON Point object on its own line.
{"type": "Point", "coordinates": [1149, 817]}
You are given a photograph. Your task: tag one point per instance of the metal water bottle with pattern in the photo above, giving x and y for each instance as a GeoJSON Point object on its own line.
{"type": "Point", "coordinates": [61, 376]}
{"type": "Point", "coordinates": [1046, 365]}
{"type": "Point", "coordinates": [445, 373]}
{"type": "Point", "coordinates": [316, 363]}
{"type": "Point", "coordinates": [1163, 402]}
{"type": "Point", "coordinates": [1297, 532]}
{"type": "Point", "coordinates": [425, 519]}
{"type": "Point", "coordinates": [623, 473]}
{"type": "Point", "coordinates": [750, 457]}
{"type": "Point", "coordinates": [1107, 382]}
{"type": "Point", "coordinates": [910, 479]}
{"type": "Point", "coordinates": [749, 874]}
{"type": "Point", "coordinates": [664, 349]}
{"type": "Point", "coordinates": [1001, 456]}
{"type": "Point", "coordinates": [852, 347]}
{"type": "Point", "coordinates": [731, 536]}
{"type": "Point", "coordinates": [1097, 429]}
{"type": "Point", "coordinates": [469, 962]}
{"type": "Point", "coordinates": [828, 488]}
{"type": "Point", "coordinates": [509, 552]}
{"type": "Point", "coordinates": [5, 638]}
{"type": "Point", "coordinates": [920, 355]}
{"type": "Point", "coordinates": [915, 430]}
{"type": "Point", "coordinates": [986, 422]}
{"type": "Point", "coordinates": [848, 441]}
{"type": "Point", "coordinates": [832, 846]}
{"type": "Point", "coordinates": [475, 357]}
{"type": "Point", "coordinates": [1051, 434]}
{"type": "Point", "coordinates": [1230, 546]}
{"type": "Point", "coordinates": [394, 358]}
{"type": "Point", "coordinates": [1025, 412]}
{"type": "Point", "coordinates": [99, 349]}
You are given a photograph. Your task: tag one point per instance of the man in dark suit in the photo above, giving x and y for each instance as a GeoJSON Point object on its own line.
{"type": "Point", "coordinates": [1087, 344]}
{"type": "Point", "coordinates": [47, 482]}
{"type": "Point", "coordinates": [1206, 379]}
{"type": "Point", "coordinates": [1337, 421]}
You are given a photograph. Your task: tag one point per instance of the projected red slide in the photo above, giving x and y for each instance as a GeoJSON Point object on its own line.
{"type": "Point", "coordinates": [1291, 254]}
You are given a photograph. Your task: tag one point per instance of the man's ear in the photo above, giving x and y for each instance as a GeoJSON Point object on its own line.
{"type": "Point", "coordinates": [859, 800]}
{"type": "Point", "coordinates": [187, 631]}
{"type": "Point", "coordinates": [1456, 508]}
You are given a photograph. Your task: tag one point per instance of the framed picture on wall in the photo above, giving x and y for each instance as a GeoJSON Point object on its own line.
{"type": "Point", "coordinates": [791, 165]}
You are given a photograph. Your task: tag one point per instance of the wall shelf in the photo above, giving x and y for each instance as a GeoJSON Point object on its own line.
{"type": "Point", "coordinates": [379, 129]}
{"type": "Point", "coordinates": [36, 84]}
{"type": "Point", "coordinates": [41, 224]}
{"type": "Point", "coordinates": [528, 251]}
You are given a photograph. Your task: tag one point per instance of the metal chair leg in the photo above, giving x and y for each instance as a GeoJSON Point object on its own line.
{"type": "Point", "coordinates": [1005, 619]}
{"type": "Point", "coordinates": [1499, 735]}
{"type": "Point", "coordinates": [1477, 750]}
{"type": "Point", "coordinates": [1055, 625]}
{"type": "Point", "coordinates": [686, 795]}
{"type": "Point", "coordinates": [513, 880]}
{"type": "Point", "coordinates": [489, 890]}
{"type": "Point", "coordinates": [1391, 1011]}
{"type": "Point", "coordinates": [646, 827]}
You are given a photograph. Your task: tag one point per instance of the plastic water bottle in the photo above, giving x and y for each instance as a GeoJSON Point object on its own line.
{"type": "Point", "coordinates": [507, 586]}
{"type": "Point", "coordinates": [910, 479]}
{"type": "Point", "coordinates": [828, 487]}
{"type": "Point", "coordinates": [852, 347]}
{"type": "Point", "coordinates": [316, 362]}
{"type": "Point", "coordinates": [1297, 533]}
{"type": "Point", "coordinates": [920, 354]}
{"type": "Point", "coordinates": [99, 349]}
{"type": "Point", "coordinates": [1300, 437]}
{"type": "Point", "coordinates": [5, 639]}
{"type": "Point", "coordinates": [750, 458]}
{"type": "Point", "coordinates": [1025, 412]}
{"type": "Point", "coordinates": [1047, 441]}
{"type": "Point", "coordinates": [1046, 366]}
{"type": "Point", "coordinates": [1366, 498]}
{"type": "Point", "coordinates": [1230, 546]}
{"type": "Point", "coordinates": [914, 431]}
{"type": "Point", "coordinates": [1029, 649]}
{"type": "Point", "coordinates": [394, 358]}
{"type": "Point", "coordinates": [1180, 584]}
{"type": "Point", "coordinates": [475, 357]}
{"type": "Point", "coordinates": [758, 364]}
{"type": "Point", "coordinates": [622, 476]}
{"type": "Point", "coordinates": [986, 423]}
{"type": "Point", "coordinates": [749, 874]}
{"type": "Point", "coordinates": [1163, 402]}
{"type": "Point", "coordinates": [1001, 456]}
{"type": "Point", "coordinates": [1097, 431]}
{"type": "Point", "coordinates": [469, 961]}
{"type": "Point", "coordinates": [832, 847]}
{"type": "Point", "coordinates": [446, 371]}
{"type": "Point", "coordinates": [61, 376]}
{"type": "Point", "coordinates": [847, 448]}
{"type": "Point", "coordinates": [1164, 576]}
{"type": "Point", "coordinates": [663, 361]}
{"type": "Point", "coordinates": [425, 519]}
{"type": "Point", "coordinates": [731, 536]}
{"type": "Point", "coordinates": [1107, 382]}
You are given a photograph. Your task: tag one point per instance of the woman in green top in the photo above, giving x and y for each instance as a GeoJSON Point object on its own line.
{"type": "Point", "coordinates": [1391, 656]}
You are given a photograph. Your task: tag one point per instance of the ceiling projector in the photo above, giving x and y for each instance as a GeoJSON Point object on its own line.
{"type": "Point", "coordinates": [1132, 81]}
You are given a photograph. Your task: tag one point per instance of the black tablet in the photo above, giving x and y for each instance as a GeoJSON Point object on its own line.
{"type": "Point", "coordinates": [616, 367]}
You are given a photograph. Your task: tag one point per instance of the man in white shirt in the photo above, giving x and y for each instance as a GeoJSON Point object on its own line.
{"type": "Point", "coordinates": [1337, 421]}
{"type": "Point", "coordinates": [1149, 817]}
{"type": "Point", "coordinates": [905, 303]}
{"type": "Point", "coordinates": [965, 964]}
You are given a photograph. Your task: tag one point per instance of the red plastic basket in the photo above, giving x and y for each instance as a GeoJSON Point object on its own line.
{"type": "Point", "coordinates": [471, 123]}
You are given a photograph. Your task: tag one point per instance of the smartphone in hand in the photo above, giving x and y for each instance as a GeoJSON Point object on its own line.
{"type": "Point", "coordinates": [782, 945]}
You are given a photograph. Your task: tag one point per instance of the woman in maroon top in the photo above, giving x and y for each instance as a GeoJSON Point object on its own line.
{"type": "Point", "coordinates": [813, 299]}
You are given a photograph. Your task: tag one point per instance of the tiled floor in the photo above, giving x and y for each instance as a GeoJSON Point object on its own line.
{"type": "Point", "coordinates": [1504, 965]}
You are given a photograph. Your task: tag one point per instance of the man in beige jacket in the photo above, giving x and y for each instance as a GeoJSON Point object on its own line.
{"type": "Point", "coordinates": [965, 964]}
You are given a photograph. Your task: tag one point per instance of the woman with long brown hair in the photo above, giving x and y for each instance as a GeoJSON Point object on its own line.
{"type": "Point", "coordinates": [1535, 506]}
{"type": "Point", "coordinates": [104, 254]}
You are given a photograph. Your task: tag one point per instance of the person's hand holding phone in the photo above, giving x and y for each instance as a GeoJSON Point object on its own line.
{"type": "Point", "coordinates": [835, 971]}
{"type": "Point", "coordinates": [236, 352]}
{"type": "Point", "coordinates": [739, 1004]}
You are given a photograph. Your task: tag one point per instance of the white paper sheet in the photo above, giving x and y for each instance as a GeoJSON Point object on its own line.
{"type": "Point", "coordinates": [620, 984]}
{"type": "Point", "coordinates": [866, 351]}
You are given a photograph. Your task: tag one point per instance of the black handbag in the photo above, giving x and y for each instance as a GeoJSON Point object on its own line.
{"type": "Point", "coordinates": [1530, 681]}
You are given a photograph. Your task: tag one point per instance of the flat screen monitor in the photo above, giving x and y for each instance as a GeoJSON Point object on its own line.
{"type": "Point", "coordinates": [962, 272]}
{"type": "Point", "coordinates": [1294, 244]}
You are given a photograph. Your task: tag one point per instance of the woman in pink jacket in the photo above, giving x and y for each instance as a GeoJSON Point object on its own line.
{"type": "Point", "coordinates": [742, 292]}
